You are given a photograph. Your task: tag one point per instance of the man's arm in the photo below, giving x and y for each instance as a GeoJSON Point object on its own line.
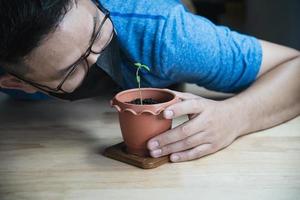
{"type": "Point", "coordinates": [274, 55]}
{"type": "Point", "coordinates": [273, 99]}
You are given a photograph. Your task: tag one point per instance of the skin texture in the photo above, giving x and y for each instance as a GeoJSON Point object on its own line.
{"type": "Point", "coordinates": [61, 49]}
{"type": "Point", "coordinates": [212, 125]}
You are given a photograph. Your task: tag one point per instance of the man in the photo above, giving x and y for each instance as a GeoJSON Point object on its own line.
{"type": "Point", "coordinates": [64, 48]}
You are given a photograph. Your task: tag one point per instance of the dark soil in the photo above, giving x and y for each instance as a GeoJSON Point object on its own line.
{"type": "Point", "coordinates": [148, 101]}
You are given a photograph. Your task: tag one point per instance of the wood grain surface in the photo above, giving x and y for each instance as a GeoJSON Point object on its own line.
{"type": "Point", "coordinates": [53, 150]}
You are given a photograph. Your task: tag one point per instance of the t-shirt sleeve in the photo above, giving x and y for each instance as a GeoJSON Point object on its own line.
{"type": "Point", "coordinates": [195, 50]}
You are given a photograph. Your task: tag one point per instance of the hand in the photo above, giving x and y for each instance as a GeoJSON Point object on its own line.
{"type": "Point", "coordinates": [212, 125]}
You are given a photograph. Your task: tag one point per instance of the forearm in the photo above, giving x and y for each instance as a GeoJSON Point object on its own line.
{"type": "Point", "coordinates": [273, 99]}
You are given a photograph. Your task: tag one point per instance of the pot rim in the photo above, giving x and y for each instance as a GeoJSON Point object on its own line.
{"type": "Point", "coordinates": [136, 109]}
{"type": "Point", "coordinates": [143, 89]}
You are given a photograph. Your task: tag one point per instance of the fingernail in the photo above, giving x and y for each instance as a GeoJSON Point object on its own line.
{"type": "Point", "coordinates": [156, 153]}
{"type": "Point", "coordinates": [153, 145]}
{"type": "Point", "coordinates": [168, 114]}
{"type": "Point", "coordinates": [174, 158]}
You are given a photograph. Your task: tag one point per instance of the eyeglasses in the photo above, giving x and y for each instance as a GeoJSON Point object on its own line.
{"type": "Point", "coordinates": [81, 65]}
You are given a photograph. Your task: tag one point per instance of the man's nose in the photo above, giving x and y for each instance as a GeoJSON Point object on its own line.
{"type": "Point", "coordinates": [92, 59]}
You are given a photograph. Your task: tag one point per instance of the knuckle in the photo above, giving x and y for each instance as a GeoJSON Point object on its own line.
{"type": "Point", "coordinates": [166, 150]}
{"type": "Point", "coordinates": [209, 137]}
{"type": "Point", "coordinates": [203, 151]}
{"type": "Point", "coordinates": [198, 153]}
{"type": "Point", "coordinates": [189, 142]}
{"type": "Point", "coordinates": [165, 138]}
{"type": "Point", "coordinates": [194, 104]}
{"type": "Point", "coordinates": [185, 131]}
{"type": "Point", "coordinates": [170, 137]}
{"type": "Point", "coordinates": [176, 111]}
{"type": "Point", "coordinates": [191, 155]}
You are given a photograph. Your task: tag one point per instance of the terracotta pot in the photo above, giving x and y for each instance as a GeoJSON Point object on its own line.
{"type": "Point", "coordinates": [139, 123]}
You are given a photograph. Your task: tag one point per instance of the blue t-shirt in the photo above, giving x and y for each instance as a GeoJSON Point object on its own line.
{"type": "Point", "coordinates": [179, 46]}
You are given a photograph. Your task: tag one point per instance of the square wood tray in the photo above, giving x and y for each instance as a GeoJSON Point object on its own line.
{"type": "Point", "coordinates": [118, 152]}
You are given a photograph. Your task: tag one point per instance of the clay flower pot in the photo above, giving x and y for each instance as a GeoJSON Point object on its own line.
{"type": "Point", "coordinates": [139, 123]}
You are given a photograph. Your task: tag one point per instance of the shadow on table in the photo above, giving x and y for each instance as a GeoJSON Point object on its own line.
{"type": "Point", "coordinates": [54, 125]}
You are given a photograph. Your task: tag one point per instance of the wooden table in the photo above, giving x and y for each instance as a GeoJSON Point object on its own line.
{"type": "Point", "coordinates": [52, 150]}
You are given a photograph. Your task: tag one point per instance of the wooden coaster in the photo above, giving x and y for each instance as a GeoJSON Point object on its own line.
{"type": "Point", "coordinates": [117, 152]}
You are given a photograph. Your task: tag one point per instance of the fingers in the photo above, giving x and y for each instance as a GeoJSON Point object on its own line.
{"type": "Point", "coordinates": [187, 143]}
{"type": "Point", "coordinates": [183, 131]}
{"type": "Point", "coordinates": [184, 95]}
{"type": "Point", "coordinates": [178, 133]}
{"type": "Point", "coordinates": [190, 106]}
{"type": "Point", "coordinates": [189, 140]}
{"type": "Point", "coordinates": [192, 154]}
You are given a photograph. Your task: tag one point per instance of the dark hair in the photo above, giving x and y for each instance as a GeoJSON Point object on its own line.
{"type": "Point", "coordinates": [24, 24]}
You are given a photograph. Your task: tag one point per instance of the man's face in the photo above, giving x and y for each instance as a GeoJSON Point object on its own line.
{"type": "Point", "coordinates": [51, 61]}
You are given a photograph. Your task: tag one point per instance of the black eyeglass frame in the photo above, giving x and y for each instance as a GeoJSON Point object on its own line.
{"type": "Point", "coordinates": [81, 59]}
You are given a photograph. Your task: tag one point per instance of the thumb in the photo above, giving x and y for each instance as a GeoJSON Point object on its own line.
{"type": "Point", "coordinates": [184, 95]}
{"type": "Point", "coordinates": [190, 106]}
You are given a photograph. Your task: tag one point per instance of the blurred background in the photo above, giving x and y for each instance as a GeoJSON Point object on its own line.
{"type": "Point", "coordinates": [273, 20]}
{"type": "Point", "coordinates": [276, 21]}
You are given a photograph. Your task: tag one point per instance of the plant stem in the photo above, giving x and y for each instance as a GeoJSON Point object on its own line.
{"type": "Point", "coordinates": [139, 83]}
{"type": "Point", "coordinates": [138, 78]}
{"type": "Point", "coordinates": [141, 96]}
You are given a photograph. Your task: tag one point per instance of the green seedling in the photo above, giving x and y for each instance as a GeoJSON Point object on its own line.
{"type": "Point", "coordinates": [138, 78]}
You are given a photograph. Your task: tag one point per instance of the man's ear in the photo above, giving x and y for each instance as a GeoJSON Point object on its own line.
{"type": "Point", "coordinates": [8, 81]}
